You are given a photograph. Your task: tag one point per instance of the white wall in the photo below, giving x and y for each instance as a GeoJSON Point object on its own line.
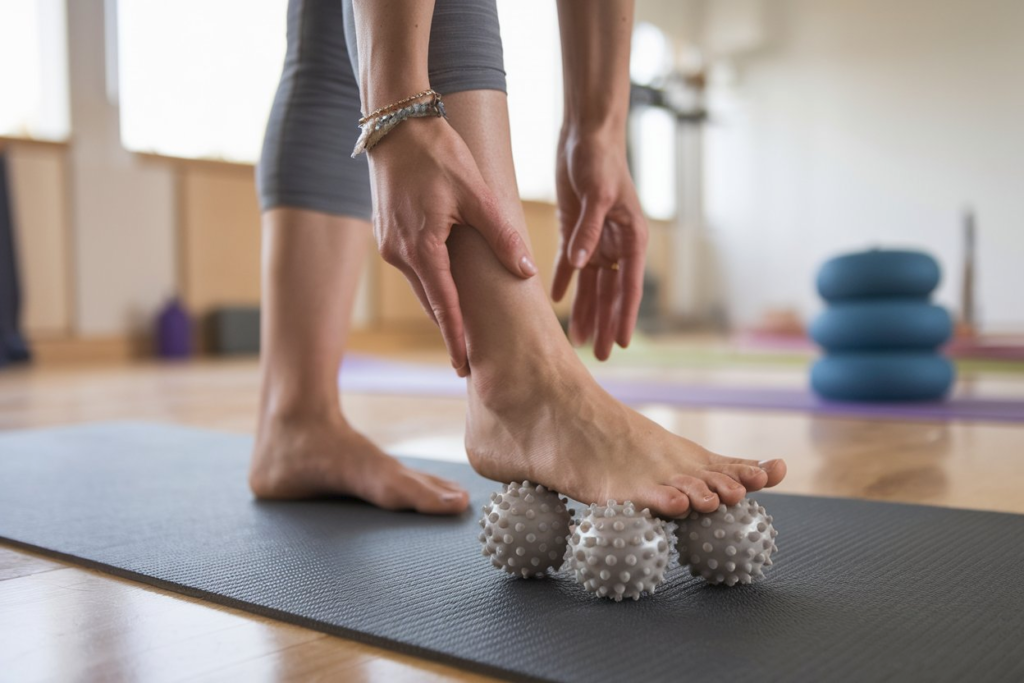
{"type": "Point", "coordinates": [870, 122]}
{"type": "Point", "coordinates": [122, 208]}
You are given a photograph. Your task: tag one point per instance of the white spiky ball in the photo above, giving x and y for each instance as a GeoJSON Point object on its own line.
{"type": "Point", "coordinates": [618, 552]}
{"type": "Point", "coordinates": [525, 529]}
{"type": "Point", "coordinates": [731, 545]}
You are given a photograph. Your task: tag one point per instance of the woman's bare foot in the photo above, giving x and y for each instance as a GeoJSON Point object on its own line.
{"type": "Point", "coordinates": [305, 457]}
{"type": "Point", "coordinates": [568, 434]}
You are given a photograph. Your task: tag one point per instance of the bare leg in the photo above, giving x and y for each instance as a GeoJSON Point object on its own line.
{"type": "Point", "coordinates": [534, 410]}
{"type": "Point", "coordinates": [304, 446]}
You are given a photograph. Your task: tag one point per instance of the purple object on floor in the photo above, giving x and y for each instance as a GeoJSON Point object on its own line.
{"type": "Point", "coordinates": [362, 374]}
{"type": "Point", "coordinates": [174, 331]}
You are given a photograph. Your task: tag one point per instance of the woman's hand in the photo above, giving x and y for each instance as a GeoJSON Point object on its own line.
{"type": "Point", "coordinates": [424, 181]}
{"type": "Point", "coordinates": [603, 235]}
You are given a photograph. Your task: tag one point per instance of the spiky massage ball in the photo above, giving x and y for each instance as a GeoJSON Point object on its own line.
{"type": "Point", "coordinates": [618, 552]}
{"type": "Point", "coordinates": [525, 529]}
{"type": "Point", "coordinates": [731, 545]}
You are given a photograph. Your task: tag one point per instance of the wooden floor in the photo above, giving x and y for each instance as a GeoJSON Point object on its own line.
{"type": "Point", "coordinates": [60, 622]}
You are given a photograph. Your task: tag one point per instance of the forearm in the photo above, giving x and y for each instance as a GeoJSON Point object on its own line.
{"type": "Point", "coordinates": [393, 38]}
{"type": "Point", "coordinates": [595, 63]}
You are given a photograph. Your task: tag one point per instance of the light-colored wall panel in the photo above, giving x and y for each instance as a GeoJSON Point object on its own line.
{"type": "Point", "coordinates": [38, 177]}
{"type": "Point", "coordinates": [219, 236]}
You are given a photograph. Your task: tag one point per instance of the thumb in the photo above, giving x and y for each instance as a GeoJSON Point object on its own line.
{"type": "Point", "coordinates": [587, 232]}
{"type": "Point", "coordinates": [485, 216]}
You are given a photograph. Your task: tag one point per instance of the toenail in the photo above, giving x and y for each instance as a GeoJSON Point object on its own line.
{"type": "Point", "coordinates": [767, 464]}
{"type": "Point", "coordinates": [448, 497]}
{"type": "Point", "coordinates": [707, 498]}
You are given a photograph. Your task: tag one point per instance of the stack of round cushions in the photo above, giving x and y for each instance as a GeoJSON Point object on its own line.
{"type": "Point", "coordinates": [880, 332]}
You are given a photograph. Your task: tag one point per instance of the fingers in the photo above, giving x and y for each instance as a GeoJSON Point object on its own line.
{"type": "Point", "coordinates": [483, 213]}
{"type": "Point", "coordinates": [433, 270]}
{"type": "Point", "coordinates": [607, 296]}
{"type": "Point", "coordinates": [581, 321]}
{"type": "Point", "coordinates": [563, 276]}
{"type": "Point", "coordinates": [588, 230]}
{"type": "Point", "coordinates": [631, 284]}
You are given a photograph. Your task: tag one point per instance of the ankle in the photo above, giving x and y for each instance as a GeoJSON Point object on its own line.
{"type": "Point", "coordinates": [300, 413]}
{"type": "Point", "coordinates": [512, 385]}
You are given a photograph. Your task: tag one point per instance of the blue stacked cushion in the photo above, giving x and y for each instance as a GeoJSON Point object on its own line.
{"type": "Point", "coordinates": [878, 274]}
{"type": "Point", "coordinates": [880, 332]}
{"type": "Point", "coordinates": [882, 325]}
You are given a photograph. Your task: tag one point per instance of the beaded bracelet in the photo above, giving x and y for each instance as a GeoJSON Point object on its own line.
{"type": "Point", "coordinates": [395, 105]}
{"type": "Point", "coordinates": [376, 125]}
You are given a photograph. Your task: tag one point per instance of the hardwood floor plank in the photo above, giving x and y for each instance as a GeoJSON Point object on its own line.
{"type": "Point", "coordinates": [17, 563]}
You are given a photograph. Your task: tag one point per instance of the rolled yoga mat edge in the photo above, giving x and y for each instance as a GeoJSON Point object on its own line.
{"type": "Point", "coordinates": [169, 507]}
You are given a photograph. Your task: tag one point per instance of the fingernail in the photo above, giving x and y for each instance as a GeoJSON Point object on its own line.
{"type": "Point", "coordinates": [767, 464]}
{"type": "Point", "coordinates": [527, 266]}
{"type": "Point", "coordinates": [581, 258]}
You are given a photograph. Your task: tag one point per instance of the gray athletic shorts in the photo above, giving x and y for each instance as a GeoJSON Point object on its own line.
{"type": "Point", "coordinates": [313, 123]}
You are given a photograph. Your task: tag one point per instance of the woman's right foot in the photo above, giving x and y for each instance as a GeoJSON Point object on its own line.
{"type": "Point", "coordinates": [306, 457]}
{"type": "Point", "coordinates": [562, 430]}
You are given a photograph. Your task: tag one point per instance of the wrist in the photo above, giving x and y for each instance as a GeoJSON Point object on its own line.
{"type": "Point", "coordinates": [408, 138]}
{"type": "Point", "coordinates": [595, 118]}
{"type": "Point", "coordinates": [609, 132]}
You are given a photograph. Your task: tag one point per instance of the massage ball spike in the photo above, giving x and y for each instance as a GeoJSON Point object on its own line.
{"type": "Point", "coordinates": [731, 545]}
{"type": "Point", "coordinates": [525, 529]}
{"type": "Point", "coordinates": [615, 552]}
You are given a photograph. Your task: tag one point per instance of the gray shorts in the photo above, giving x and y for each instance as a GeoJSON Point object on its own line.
{"type": "Point", "coordinates": [313, 124]}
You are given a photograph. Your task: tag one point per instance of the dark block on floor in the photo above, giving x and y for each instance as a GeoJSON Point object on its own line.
{"type": "Point", "coordinates": [234, 331]}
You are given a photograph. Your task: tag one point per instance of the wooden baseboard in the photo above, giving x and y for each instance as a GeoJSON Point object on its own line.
{"type": "Point", "coordinates": [397, 338]}
{"type": "Point", "coordinates": [82, 350]}
{"type": "Point", "coordinates": [121, 349]}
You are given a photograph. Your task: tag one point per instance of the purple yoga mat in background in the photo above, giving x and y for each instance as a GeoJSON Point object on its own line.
{"type": "Point", "coordinates": [364, 374]}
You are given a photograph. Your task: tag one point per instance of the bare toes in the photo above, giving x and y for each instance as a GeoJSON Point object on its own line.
{"type": "Point", "coordinates": [776, 471]}
{"type": "Point", "coordinates": [444, 483]}
{"type": "Point", "coordinates": [416, 491]}
{"type": "Point", "coordinates": [752, 477]}
{"type": "Point", "coordinates": [665, 501]}
{"type": "Point", "coordinates": [728, 489]}
{"type": "Point", "coordinates": [702, 499]}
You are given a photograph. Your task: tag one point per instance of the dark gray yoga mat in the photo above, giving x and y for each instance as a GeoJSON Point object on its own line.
{"type": "Point", "coordinates": [860, 591]}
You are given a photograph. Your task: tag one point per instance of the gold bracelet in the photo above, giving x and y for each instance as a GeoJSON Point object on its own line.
{"type": "Point", "coordinates": [395, 105]}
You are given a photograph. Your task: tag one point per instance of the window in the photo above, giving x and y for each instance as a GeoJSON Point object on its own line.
{"type": "Point", "coordinates": [34, 75]}
{"type": "Point", "coordinates": [202, 89]}
{"type": "Point", "coordinates": [197, 78]}
{"type": "Point", "coordinates": [533, 64]}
